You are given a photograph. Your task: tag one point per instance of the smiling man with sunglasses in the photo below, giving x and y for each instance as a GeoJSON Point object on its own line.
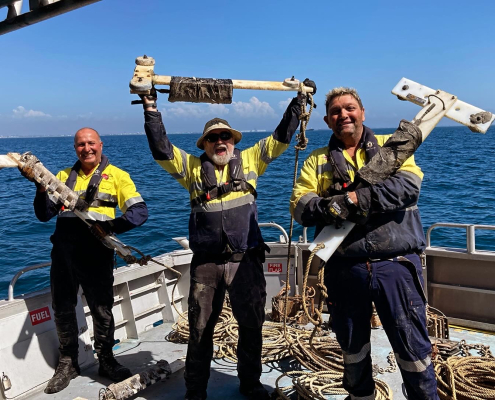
{"type": "Point", "coordinates": [224, 236]}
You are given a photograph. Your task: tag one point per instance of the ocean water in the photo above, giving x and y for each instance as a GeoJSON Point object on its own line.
{"type": "Point", "coordinates": [458, 187]}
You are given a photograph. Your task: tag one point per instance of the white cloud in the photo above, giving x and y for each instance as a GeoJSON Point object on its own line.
{"type": "Point", "coordinates": [195, 110]}
{"type": "Point", "coordinates": [254, 108]}
{"type": "Point", "coordinates": [88, 115]}
{"type": "Point", "coordinates": [21, 112]}
{"type": "Point", "coordinates": [284, 103]}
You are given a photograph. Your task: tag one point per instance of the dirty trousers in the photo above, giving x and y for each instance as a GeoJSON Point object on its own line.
{"type": "Point", "coordinates": [246, 285]}
{"type": "Point", "coordinates": [396, 289]}
{"type": "Point", "coordinates": [81, 259]}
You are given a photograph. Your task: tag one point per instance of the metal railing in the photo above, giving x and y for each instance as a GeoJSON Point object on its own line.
{"type": "Point", "coordinates": [22, 272]}
{"type": "Point", "coordinates": [274, 225]}
{"type": "Point", "coordinates": [38, 11]}
{"type": "Point", "coordinates": [470, 233]}
{"type": "Point", "coordinates": [304, 237]}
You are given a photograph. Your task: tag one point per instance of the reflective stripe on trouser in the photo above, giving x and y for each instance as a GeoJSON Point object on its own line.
{"type": "Point", "coordinates": [393, 287]}
{"type": "Point", "coordinates": [81, 259]}
{"type": "Point", "coordinates": [246, 285]}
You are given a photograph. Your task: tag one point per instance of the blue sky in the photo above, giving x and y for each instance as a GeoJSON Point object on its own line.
{"type": "Point", "coordinates": [74, 70]}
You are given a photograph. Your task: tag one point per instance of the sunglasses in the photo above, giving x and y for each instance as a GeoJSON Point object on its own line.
{"type": "Point", "coordinates": [213, 137]}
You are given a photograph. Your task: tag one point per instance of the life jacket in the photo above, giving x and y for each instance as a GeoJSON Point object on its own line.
{"type": "Point", "coordinates": [385, 234]}
{"type": "Point", "coordinates": [236, 183]}
{"type": "Point", "coordinates": [216, 228]}
{"type": "Point", "coordinates": [340, 166]}
{"type": "Point", "coordinates": [93, 185]}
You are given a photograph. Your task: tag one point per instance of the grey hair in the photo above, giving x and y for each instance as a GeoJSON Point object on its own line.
{"type": "Point", "coordinates": [342, 91]}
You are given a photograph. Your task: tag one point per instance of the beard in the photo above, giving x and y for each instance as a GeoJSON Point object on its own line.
{"type": "Point", "coordinates": [349, 134]}
{"type": "Point", "coordinates": [222, 160]}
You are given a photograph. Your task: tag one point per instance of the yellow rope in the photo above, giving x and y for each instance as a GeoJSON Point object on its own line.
{"type": "Point", "coordinates": [302, 143]}
{"type": "Point", "coordinates": [318, 311]}
{"type": "Point", "coordinates": [318, 385]}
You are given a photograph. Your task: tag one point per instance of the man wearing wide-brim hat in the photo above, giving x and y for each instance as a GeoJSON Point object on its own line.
{"type": "Point", "coordinates": [224, 236]}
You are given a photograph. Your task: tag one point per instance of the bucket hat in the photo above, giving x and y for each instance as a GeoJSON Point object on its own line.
{"type": "Point", "coordinates": [214, 124]}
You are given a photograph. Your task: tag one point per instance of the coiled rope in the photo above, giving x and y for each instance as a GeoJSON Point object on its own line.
{"type": "Point", "coordinates": [318, 385]}
{"type": "Point", "coordinates": [275, 346]}
{"type": "Point", "coordinates": [466, 377]}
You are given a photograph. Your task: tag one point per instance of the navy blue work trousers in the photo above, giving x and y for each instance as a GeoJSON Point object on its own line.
{"type": "Point", "coordinates": [396, 288]}
{"type": "Point", "coordinates": [211, 277]}
{"type": "Point", "coordinates": [79, 258]}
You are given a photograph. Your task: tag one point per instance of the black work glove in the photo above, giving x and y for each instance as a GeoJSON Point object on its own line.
{"type": "Point", "coordinates": [101, 229]}
{"type": "Point", "coordinates": [149, 100]}
{"type": "Point", "coordinates": [81, 205]}
{"type": "Point", "coordinates": [309, 83]}
{"type": "Point", "coordinates": [290, 121]}
{"type": "Point", "coordinates": [336, 209]}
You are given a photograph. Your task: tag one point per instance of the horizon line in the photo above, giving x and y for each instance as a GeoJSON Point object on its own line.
{"type": "Point", "coordinates": [197, 133]}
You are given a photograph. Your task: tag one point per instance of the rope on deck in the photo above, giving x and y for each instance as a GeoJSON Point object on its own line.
{"type": "Point", "coordinates": [466, 377]}
{"type": "Point", "coordinates": [326, 354]}
{"type": "Point", "coordinates": [318, 385]}
{"type": "Point", "coordinates": [318, 352]}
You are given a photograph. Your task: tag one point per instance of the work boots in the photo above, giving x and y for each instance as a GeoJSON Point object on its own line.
{"type": "Point", "coordinates": [110, 368]}
{"type": "Point", "coordinates": [254, 390]}
{"type": "Point", "coordinates": [66, 370]}
{"type": "Point", "coordinates": [195, 395]}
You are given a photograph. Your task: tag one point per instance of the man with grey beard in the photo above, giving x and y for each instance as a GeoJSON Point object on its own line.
{"type": "Point", "coordinates": [224, 236]}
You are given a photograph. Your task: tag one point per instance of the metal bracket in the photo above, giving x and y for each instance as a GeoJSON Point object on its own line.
{"type": "Point", "coordinates": [476, 119]}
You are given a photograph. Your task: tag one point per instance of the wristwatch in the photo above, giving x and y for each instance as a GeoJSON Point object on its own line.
{"type": "Point", "coordinates": [348, 199]}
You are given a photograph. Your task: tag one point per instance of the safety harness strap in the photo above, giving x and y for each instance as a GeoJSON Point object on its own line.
{"type": "Point", "coordinates": [236, 183]}
{"type": "Point", "coordinates": [94, 182]}
{"type": "Point", "coordinates": [336, 158]}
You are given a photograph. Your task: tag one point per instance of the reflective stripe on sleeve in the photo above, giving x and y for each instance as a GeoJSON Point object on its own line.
{"type": "Point", "coordinates": [411, 177]}
{"type": "Point", "coordinates": [357, 357]}
{"type": "Point", "coordinates": [327, 167]}
{"type": "Point", "coordinates": [177, 176]}
{"type": "Point", "coordinates": [182, 174]}
{"type": "Point", "coordinates": [131, 201]}
{"type": "Point", "coordinates": [184, 163]}
{"type": "Point", "coordinates": [413, 366]}
{"type": "Point", "coordinates": [264, 153]}
{"type": "Point", "coordinates": [301, 205]}
{"type": "Point", "coordinates": [196, 186]}
{"type": "Point", "coordinates": [251, 176]}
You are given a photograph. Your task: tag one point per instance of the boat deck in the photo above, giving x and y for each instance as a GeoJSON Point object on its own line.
{"type": "Point", "coordinates": [153, 346]}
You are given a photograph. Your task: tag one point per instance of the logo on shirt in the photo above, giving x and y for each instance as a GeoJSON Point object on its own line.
{"type": "Point", "coordinates": [104, 176]}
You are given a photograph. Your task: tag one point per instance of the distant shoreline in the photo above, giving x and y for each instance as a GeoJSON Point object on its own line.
{"type": "Point", "coordinates": [310, 131]}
